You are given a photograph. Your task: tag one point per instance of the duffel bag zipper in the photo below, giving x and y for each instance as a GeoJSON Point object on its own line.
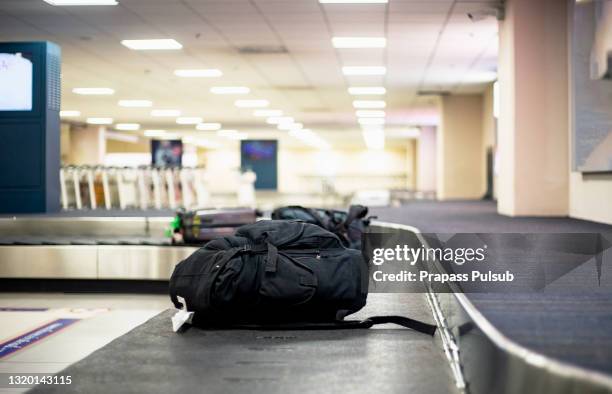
{"type": "Point", "coordinates": [302, 252]}
{"type": "Point", "coordinates": [308, 252]}
{"type": "Point", "coordinates": [293, 252]}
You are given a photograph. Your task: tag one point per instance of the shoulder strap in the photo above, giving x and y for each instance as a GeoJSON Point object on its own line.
{"type": "Point", "coordinates": [416, 325]}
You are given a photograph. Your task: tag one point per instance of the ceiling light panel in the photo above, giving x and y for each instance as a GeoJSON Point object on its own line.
{"type": "Point", "coordinates": [367, 90]}
{"type": "Point", "coordinates": [353, 1]}
{"type": "Point", "coordinates": [152, 44]}
{"type": "Point", "coordinates": [188, 120]}
{"type": "Point", "coordinates": [251, 103]}
{"type": "Point", "coordinates": [208, 126]}
{"type": "Point", "coordinates": [165, 113]}
{"type": "Point", "coordinates": [80, 2]}
{"type": "Point", "coordinates": [69, 114]}
{"type": "Point", "coordinates": [127, 126]}
{"type": "Point", "coordinates": [101, 121]}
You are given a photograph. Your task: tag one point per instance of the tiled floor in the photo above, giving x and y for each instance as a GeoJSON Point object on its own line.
{"type": "Point", "coordinates": [102, 317]}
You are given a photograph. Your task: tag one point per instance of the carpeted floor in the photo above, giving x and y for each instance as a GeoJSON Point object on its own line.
{"type": "Point", "coordinates": [478, 216]}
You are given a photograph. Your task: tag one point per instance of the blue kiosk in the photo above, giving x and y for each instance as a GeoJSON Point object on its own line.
{"type": "Point", "coordinates": [30, 92]}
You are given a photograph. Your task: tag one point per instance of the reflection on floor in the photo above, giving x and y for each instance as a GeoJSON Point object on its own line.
{"type": "Point", "coordinates": [44, 333]}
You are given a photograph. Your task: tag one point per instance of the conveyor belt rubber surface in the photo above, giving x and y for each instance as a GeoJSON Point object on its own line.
{"type": "Point", "coordinates": [575, 327]}
{"type": "Point", "coordinates": [153, 359]}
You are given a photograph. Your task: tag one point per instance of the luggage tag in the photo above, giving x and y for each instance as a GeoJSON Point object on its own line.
{"type": "Point", "coordinates": [182, 316]}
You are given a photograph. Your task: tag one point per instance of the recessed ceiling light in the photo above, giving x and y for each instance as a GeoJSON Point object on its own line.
{"type": "Point", "coordinates": [364, 113]}
{"type": "Point", "coordinates": [100, 120]}
{"type": "Point", "coordinates": [166, 112]}
{"type": "Point", "coordinates": [266, 113]}
{"type": "Point", "coordinates": [230, 90]}
{"type": "Point", "coordinates": [371, 121]}
{"type": "Point", "coordinates": [369, 104]}
{"type": "Point", "coordinates": [359, 42]}
{"type": "Point", "coordinates": [208, 126]}
{"type": "Point", "coordinates": [189, 120]}
{"type": "Point", "coordinates": [81, 2]}
{"type": "Point", "coordinates": [353, 1]}
{"type": "Point", "coordinates": [199, 73]}
{"type": "Point", "coordinates": [290, 126]}
{"type": "Point", "coordinates": [93, 91]}
{"type": "Point", "coordinates": [154, 44]}
{"type": "Point", "coordinates": [279, 119]}
{"type": "Point", "coordinates": [135, 103]}
{"type": "Point", "coordinates": [251, 103]}
{"type": "Point", "coordinates": [364, 70]}
{"type": "Point", "coordinates": [367, 90]}
{"type": "Point", "coordinates": [69, 114]}
{"type": "Point", "coordinates": [127, 126]}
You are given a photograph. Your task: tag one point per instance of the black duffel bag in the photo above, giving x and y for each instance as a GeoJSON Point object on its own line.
{"type": "Point", "coordinates": [348, 226]}
{"type": "Point", "coordinates": [276, 274]}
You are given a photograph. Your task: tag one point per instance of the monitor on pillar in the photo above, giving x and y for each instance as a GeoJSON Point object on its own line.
{"type": "Point", "coordinates": [29, 127]}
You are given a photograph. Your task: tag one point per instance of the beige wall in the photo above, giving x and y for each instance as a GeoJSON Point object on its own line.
{"type": "Point", "coordinates": [590, 197]}
{"type": "Point", "coordinates": [426, 160]}
{"type": "Point", "coordinates": [83, 145]}
{"type": "Point", "coordinates": [533, 79]}
{"type": "Point", "coordinates": [142, 146]}
{"type": "Point", "coordinates": [302, 170]}
{"type": "Point", "coordinates": [460, 162]}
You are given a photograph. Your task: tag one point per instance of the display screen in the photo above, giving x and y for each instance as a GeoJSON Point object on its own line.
{"type": "Point", "coordinates": [260, 156]}
{"type": "Point", "coordinates": [259, 150]}
{"type": "Point", "coordinates": [16, 78]}
{"type": "Point", "coordinates": [166, 152]}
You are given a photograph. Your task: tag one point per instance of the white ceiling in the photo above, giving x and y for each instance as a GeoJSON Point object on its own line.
{"type": "Point", "coordinates": [431, 45]}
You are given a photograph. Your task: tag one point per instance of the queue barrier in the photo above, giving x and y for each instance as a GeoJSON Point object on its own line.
{"type": "Point", "coordinates": [145, 187]}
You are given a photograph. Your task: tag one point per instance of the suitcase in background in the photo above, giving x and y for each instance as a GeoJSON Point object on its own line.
{"type": "Point", "coordinates": [202, 225]}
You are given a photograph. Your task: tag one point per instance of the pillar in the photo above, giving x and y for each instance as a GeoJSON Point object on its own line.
{"type": "Point", "coordinates": [533, 121]}
{"type": "Point", "coordinates": [459, 170]}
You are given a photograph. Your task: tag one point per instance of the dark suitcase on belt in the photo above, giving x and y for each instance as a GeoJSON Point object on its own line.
{"type": "Point", "coordinates": [202, 225]}
{"type": "Point", "coordinates": [347, 225]}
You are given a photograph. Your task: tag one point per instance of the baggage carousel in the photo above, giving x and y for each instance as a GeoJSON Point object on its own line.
{"type": "Point", "coordinates": [506, 343]}
{"type": "Point", "coordinates": [88, 248]}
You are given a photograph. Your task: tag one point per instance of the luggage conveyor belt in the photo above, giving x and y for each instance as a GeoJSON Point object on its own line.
{"type": "Point", "coordinates": [482, 358]}
{"type": "Point", "coordinates": [107, 248]}
{"type": "Point", "coordinates": [524, 342]}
